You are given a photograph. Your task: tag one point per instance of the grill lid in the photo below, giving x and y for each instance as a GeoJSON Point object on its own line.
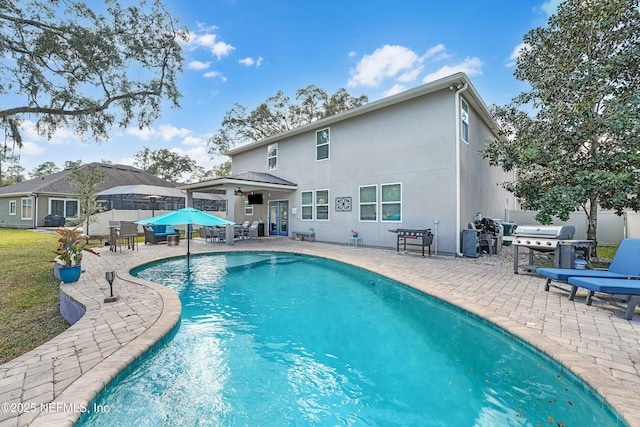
{"type": "Point", "coordinates": [565, 232]}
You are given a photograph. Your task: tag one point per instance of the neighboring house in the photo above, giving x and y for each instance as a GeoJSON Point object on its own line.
{"type": "Point", "coordinates": [28, 203]}
{"type": "Point", "coordinates": [411, 160]}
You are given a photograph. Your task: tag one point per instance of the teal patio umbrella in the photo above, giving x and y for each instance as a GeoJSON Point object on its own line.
{"type": "Point", "coordinates": [186, 216]}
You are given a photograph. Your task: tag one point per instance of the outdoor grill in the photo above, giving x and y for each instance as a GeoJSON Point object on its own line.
{"type": "Point", "coordinates": [413, 237]}
{"type": "Point", "coordinates": [550, 238]}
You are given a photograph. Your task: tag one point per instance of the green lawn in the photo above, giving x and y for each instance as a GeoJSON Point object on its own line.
{"type": "Point", "coordinates": [29, 301]}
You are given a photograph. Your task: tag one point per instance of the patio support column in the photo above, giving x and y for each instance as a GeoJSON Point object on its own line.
{"type": "Point", "coordinates": [230, 213]}
{"type": "Point", "coordinates": [188, 200]}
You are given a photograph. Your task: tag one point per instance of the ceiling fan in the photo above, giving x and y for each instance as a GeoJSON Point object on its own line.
{"type": "Point", "coordinates": [239, 192]}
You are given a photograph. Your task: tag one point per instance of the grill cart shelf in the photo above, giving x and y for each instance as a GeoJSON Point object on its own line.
{"type": "Point", "coordinates": [413, 237]}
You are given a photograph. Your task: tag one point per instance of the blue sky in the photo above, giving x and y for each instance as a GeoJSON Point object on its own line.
{"type": "Point", "coordinates": [243, 51]}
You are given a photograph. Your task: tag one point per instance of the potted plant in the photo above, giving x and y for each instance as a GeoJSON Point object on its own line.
{"type": "Point", "coordinates": [69, 254]}
{"type": "Point", "coordinates": [354, 233]}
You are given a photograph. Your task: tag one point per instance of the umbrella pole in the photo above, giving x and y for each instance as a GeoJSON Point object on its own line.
{"type": "Point", "coordinates": [188, 250]}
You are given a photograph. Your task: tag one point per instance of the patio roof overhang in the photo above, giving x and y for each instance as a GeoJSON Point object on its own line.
{"type": "Point", "coordinates": [246, 182]}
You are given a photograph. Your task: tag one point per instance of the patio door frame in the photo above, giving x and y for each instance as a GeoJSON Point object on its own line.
{"type": "Point", "coordinates": [278, 217]}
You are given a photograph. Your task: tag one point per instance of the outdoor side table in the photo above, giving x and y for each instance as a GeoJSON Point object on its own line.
{"type": "Point", "coordinates": [355, 241]}
{"type": "Point", "coordinates": [173, 240]}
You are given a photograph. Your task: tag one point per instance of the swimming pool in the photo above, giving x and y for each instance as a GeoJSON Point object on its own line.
{"type": "Point", "coordinates": [285, 339]}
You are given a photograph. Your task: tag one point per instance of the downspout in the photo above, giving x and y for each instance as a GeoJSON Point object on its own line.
{"type": "Point", "coordinates": [458, 176]}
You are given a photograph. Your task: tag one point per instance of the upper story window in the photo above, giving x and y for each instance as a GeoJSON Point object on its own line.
{"type": "Point", "coordinates": [12, 207]}
{"type": "Point", "coordinates": [322, 144]}
{"type": "Point", "coordinates": [26, 208]}
{"type": "Point", "coordinates": [464, 120]}
{"type": "Point", "coordinates": [272, 156]}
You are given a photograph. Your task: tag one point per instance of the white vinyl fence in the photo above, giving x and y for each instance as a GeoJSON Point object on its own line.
{"type": "Point", "coordinates": [611, 228]}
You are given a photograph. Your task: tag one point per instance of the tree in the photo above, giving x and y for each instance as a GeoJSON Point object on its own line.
{"type": "Point", "coordinates": [223, 169]}
{"type": "Point", "coordinates": [164, 163]}
{"type": "Point", "coordinates": [69, 66]}
{"type": "Point", "coordinates": [277, 115]}
{"type": "Point", "coordinates": [44, 169]}
{"type": "Point", "coordinates": [574, 136]}
{"type": "Point", "coordinates": [15, 174]}
{"type": "Point", "coordinates": [87, 180]}
{"type": "Point", "coordinates": [72, 164]}
{"type": "Point", "coordinates": [8, 159]}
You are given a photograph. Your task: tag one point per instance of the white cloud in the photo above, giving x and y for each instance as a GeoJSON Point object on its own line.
{"type": "Point", "coordinates": [31, 148]}
{"type": "Point", "coordinates": [385, 62]}
{"type": "Point", "coordinates": [517, 51]}
{"type": "Point", "coordinates": [194, 141]}
{"type": "Point", "coordinates": [168, 132]}
{"type": "Point", "coordinates": [397, 88]}
{"type": "Point", "coordinates": [402, 65]}
{"type": "Point", "coordinates": [436, 53]}
{"type": "Point", "coordinates": [205, 38]}
{"type": "Point", "coordinates": [550, 6]}
{"type": "Point", "coordinates": [126, 161]}
{"type": "Point", "coordinates": [470, 66]}
{"type": "Point", "coordinates": [198, 65]}
{"type": "Point", "coordinates": [164, 132]}
{"type": "Point", "coordinates": [62, 136]}
{"type": "Point", "coordinates": [249, 62]}
{"type": "Point", "coordinates": [144, 134]}
{"type": "Point", "coordinates": [214, 74]}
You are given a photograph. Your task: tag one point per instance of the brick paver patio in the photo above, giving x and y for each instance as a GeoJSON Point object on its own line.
{"type": "Point", "coordinates": [52, 384]}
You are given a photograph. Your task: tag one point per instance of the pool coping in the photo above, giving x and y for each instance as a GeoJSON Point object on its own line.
{"type": "Point", "coordinates": [69, 392]}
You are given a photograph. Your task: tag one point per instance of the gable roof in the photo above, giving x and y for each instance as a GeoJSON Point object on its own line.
{"type": "Point", "coordinates": [454, 81]}
{"type": "Point", "coordinates": [58, 183]}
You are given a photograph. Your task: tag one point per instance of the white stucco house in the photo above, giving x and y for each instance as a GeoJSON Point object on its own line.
{"type": "Point", "coordinates": [411, 160]}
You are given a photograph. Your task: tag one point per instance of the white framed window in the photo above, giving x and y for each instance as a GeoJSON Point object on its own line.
{"type": "Point", "coordinates": [391, 202]}
{"type": "Point", "coordinates": [464, 120]}
{"type": "Point", "coordinates": [368, 202]}
{"type": "Point", "coordinates": [68, 208]}
{"type": "Point", "coordinates": [248, 209]}
{"type": "Point", "coordinates": [307, 205]}
{"type": "Point", "coordinates": [322, 205]}
{"type": "Point", "coordinates": [322, 144]}
{"type": "Point", "coordinates": [272, 156]}
{"type": "Point", "coordinates": [13, 207]}
{"type": "Point", "coordinates": [26, 208]}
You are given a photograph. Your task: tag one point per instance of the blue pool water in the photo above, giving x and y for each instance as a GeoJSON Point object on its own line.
{"type": "Point", "coordinates": [275, 339]}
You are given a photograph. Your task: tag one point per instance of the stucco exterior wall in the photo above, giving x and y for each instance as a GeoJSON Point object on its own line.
{"type": "Point", "coordinates": [480, 183]}
{"type": "Point", "coordinates": [412, 142]}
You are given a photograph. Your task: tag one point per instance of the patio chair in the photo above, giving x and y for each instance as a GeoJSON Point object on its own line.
{"type": "Point", "coordinates": [207, 233]}
{"type": "Point", "coordinates": [253, 230]}
{"type": "Point", "coordinates": [128, 231]}
{"type": "Point", "coordinates": [625, 264]}
{"type": "Point", "coordinates": [629, 289]}
{"type": "Point", "coordinates": [220, 233]}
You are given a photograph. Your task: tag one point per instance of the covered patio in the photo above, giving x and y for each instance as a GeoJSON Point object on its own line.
{"type": "Point", "coordinates": [238, 185]}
